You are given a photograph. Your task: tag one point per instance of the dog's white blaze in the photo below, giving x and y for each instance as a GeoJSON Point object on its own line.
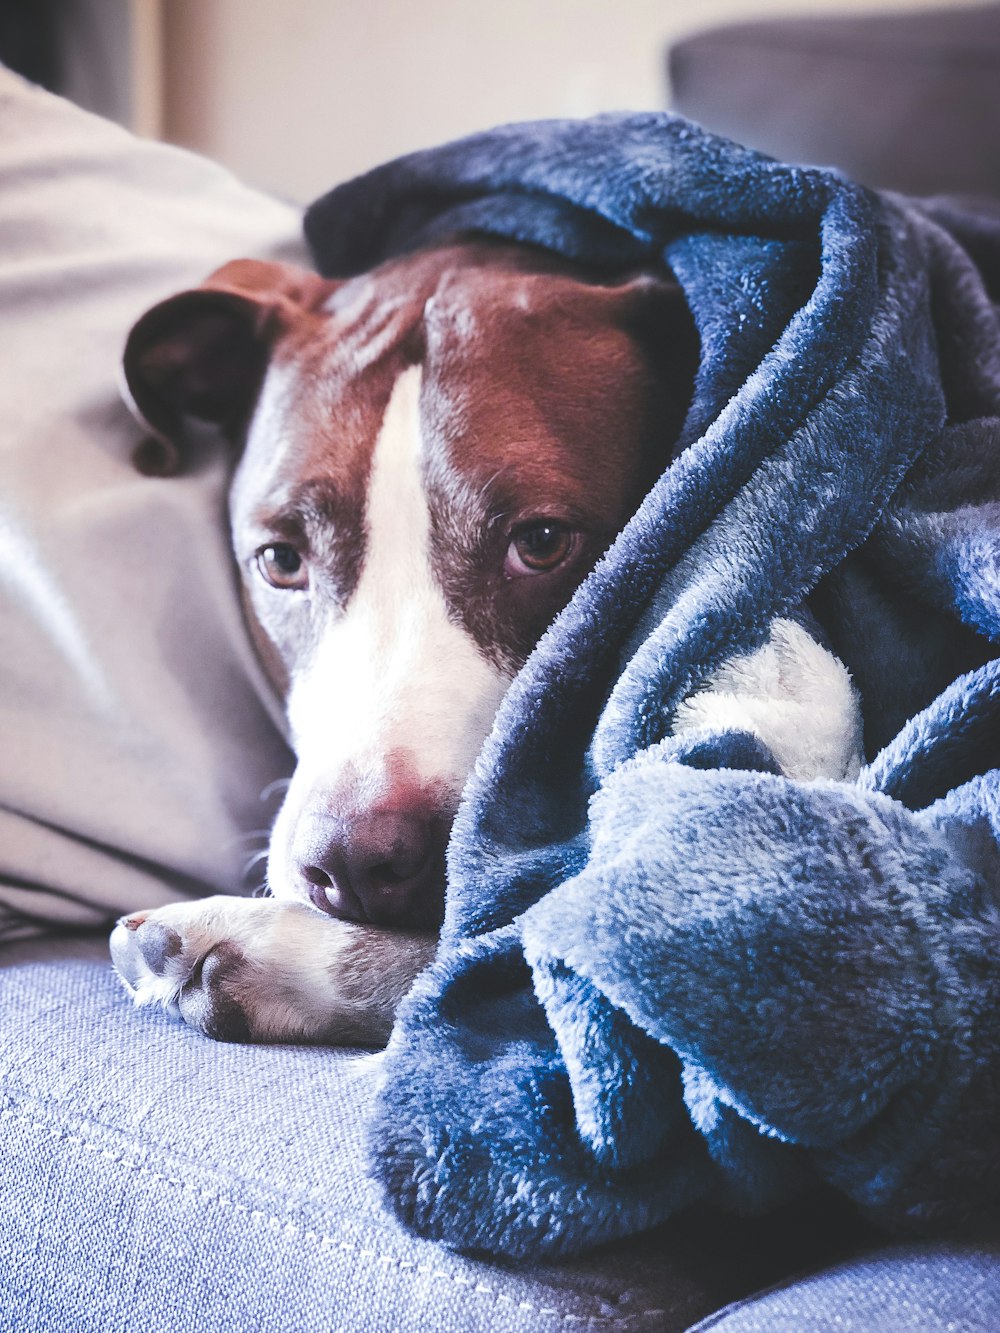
{"type": "Point", "coordinates": [394, 676]}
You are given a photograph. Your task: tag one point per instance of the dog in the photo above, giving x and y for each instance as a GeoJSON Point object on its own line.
{"type": "Point", "coordinates": [431, 457]}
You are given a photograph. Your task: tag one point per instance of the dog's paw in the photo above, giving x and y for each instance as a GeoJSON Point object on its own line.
{"type": "Point", "coordinates": [792, 694]}
{"type": "Point", "coordinates": [261, 970]}
{"type": "Point", "coordinates": [185, 958]}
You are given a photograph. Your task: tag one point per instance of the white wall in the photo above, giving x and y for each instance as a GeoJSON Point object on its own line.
{"type": "Point", "coordinates": [297, 94]}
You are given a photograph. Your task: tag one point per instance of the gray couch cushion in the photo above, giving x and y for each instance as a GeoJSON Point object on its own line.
{"type": "Point", "coordinates": [907, 1289]}
{"type": "Point", "coordinates": [153, 1180]}
{"type": "Point", "coordinates": [906, 101]}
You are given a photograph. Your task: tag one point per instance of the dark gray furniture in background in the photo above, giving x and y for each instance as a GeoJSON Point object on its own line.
{"type": "Point", "coordinates": [907, 102]}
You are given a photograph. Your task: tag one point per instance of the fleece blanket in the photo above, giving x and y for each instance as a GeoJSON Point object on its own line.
{"type": "Point", "coordinates": [671, 972]}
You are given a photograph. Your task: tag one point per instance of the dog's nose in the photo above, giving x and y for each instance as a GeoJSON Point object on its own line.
{"type": "Point", "coordinates": [385, 867]}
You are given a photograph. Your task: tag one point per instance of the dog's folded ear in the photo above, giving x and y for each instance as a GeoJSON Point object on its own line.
{"type": "Point", "coordinates": [657, 311]}
{"type": "Point", "coordinates": [653, 307]}
{"type": "Point", "coordinates": [193, 364]}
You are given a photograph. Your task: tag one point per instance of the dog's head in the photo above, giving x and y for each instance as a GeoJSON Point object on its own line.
{"type": "Point", "coordinates": [431, 458]}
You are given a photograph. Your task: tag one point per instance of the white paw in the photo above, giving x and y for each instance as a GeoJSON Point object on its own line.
{"type": "Point", "coordinates": [791, 693]}
{"type": "Point", "coordinates": [254, 969]}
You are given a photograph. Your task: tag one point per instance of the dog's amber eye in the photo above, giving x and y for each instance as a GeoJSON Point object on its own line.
{"type": "Point", "coordinates": [282, 566]}
{"type": "Point", "coordinates": [535, 548]}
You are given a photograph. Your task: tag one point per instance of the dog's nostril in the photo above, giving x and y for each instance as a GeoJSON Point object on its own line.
{"type": "Point", "coordinates": [331, 892]}
{"type": "Point", "coordinates": [317, 877]}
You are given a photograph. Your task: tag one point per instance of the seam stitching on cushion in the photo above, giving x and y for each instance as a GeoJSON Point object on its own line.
{"type": "Point", "coordinates": [288, 1225]}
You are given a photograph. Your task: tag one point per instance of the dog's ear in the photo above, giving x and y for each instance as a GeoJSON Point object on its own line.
{"type": "Point", "coordinates": [657, 311]}
{"type": "Point", "coordinates": [193, 364]}
{"type": "Point", "coordinates": [653, 307]}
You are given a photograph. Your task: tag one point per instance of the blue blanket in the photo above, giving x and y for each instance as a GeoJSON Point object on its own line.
{"type": "Point", "coordinates": [669, 972]}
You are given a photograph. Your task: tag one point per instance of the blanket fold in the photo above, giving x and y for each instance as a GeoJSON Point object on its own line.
{"type": "Point", "coordinates": [671, 971]}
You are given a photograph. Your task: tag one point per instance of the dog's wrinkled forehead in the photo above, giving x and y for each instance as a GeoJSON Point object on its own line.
{"type": "Point", "coordinates": [535, 398]}
{"type": "Point", "coordinates": [514, 356]}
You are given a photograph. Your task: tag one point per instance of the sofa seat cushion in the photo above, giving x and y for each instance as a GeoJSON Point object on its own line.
{"type": "Point", "coordinates": [921, 1288]}
{"type": "Point", "coordinates": [151, 1179]}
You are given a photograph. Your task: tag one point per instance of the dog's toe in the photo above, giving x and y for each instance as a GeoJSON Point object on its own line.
{"type": "Point", "coordinates": [209, 1002]}
{"type": "Point", "coordinates": [127, 956]}
{"type": "Point", "coordinates": [180, 958]}
{"type": "Point", "coordinates": [142, 947]}
{"type": "Point", "coordinates": [158, 944]}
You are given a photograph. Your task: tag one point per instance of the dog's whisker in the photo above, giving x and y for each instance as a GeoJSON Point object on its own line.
{"type": "Point", "coordinates": [255, 860]}
{"type": "Point", "coordinates": [251, 836]}
{"type": "Point", "coordinates": [256, 884]}
{"type": "Point", "coordinates": [273, 788]}
{"type": "Point", "coordinates": [490, 482]}
{"type": "Point", "coordinates": [249, 848]}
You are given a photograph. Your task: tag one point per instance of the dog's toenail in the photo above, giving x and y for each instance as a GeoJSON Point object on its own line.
{"type": "Point", "coordinates": [132, 922]}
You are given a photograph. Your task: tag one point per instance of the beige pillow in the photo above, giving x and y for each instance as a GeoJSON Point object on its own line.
{"type": "Point", "coordinates": [136, 730]}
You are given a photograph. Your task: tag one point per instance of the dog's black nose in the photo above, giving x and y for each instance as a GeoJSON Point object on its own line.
{"type": "Point", "coordinates": [385, 867]}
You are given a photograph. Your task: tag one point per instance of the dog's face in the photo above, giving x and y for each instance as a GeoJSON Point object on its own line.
{"type": "Point", "coordinates": [433, 457]}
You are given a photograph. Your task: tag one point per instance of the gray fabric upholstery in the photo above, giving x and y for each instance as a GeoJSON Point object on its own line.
{"type": "Point", "coordinates": [906, 101]}
{"type": "Point", "coordinates": [917, 1288]}
{"type": "Point", "coordinates": [153, 1180]}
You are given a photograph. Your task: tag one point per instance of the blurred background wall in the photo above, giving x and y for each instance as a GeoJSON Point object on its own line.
{"type": "Point", "coordinates": [296, 95]}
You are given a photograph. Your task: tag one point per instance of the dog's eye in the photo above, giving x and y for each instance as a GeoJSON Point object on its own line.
{"type": "Point", "coordinates": [537, 547]}
{"type": "Point", "coordinates": [282, 566]}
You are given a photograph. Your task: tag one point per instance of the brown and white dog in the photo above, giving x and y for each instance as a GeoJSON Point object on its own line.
{"type": "Point", "coordinates": [432, 457]}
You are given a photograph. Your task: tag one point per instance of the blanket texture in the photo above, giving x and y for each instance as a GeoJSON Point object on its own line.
{"type": "Point", "coordinates": [670, 972]}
